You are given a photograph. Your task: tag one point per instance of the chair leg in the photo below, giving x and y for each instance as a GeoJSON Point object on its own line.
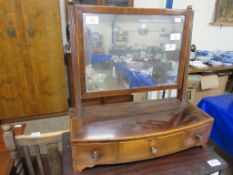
{"type": "Point", "coordinates": [18, 163]}
{"type": "Point", "coordinates": [54, 159]}
{"type": "Point", "coordinates": [39, 161]}
{"type": "Point", "coordinates": [28, 160]}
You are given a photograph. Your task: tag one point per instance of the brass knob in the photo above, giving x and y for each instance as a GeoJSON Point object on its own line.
{"type": "Point", "coordinates": [153, 150]}
{"type": "Point", "coordinates": [31, 32]}
{"type": "Point", "coordinates": [11, 32]}
{"type": "Point", "coordinates": [95, 155]}
{"type": "Point", "coordinates": [199, 137]}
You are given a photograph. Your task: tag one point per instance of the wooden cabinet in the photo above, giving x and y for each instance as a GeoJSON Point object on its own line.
{"type": "Point", "coordinates": [32, 75]}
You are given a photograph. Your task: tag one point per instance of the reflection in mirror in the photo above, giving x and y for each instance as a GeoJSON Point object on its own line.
{"type": "Point", "coordinates": [131, 51]}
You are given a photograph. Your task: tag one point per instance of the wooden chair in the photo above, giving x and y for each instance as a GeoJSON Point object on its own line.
{"type": "Point", "coordinates": [49, 140]}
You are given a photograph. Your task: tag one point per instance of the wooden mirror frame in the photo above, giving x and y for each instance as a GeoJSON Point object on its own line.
{"type": "Point", "coordinates": [77, 48]}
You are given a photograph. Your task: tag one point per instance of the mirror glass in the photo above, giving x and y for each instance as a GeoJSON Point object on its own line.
{"type": "Point", "coordinates": [131, 51]}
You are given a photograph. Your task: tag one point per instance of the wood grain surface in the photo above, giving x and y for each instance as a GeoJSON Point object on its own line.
{"type": "Point", "coordinates": [46, 57]}
{"type": "Point", "coordinates": [32, 74]}
{"type": "Point", "coordinates": [127, 132]}
{"type": "Point", "coordinates": [191, 162]}
{"type": "Point", "coordinates": [5, 162]}
{"type": "Point", "coordinates": [14, 89]}
{"type": "Point", "coordinates": [133, 119]}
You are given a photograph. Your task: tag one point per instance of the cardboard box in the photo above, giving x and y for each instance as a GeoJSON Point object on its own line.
{"type": "Point", "coordinates": [209, 82]}
{"type": "Point", "coordinates": [194, 81]}
{"type": "Point", "coordinates": [137, 97]}
{"type": "Point", "coordinates": [198, 88]}
{"type": "Point", "coordinates": [199, 93]}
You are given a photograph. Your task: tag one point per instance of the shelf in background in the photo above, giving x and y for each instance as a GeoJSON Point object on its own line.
{"type": "Point", "coordinates": [210, 69]}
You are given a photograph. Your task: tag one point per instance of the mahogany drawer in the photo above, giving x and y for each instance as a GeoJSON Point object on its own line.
{"type": "Point", "coordinates": [94, 153]}
{"type": "Point", "coordinates": [151, 147]}
{"type": "Point", "coordinates": [197, 136]}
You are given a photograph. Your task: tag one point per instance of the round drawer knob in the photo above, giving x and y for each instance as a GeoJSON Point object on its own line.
{"type": "Point", "coordinates": [153, 150]}
{"type": "Point", "coordinates": [95, 155]}
{"type": "Point", "coordinates": [199, 137]}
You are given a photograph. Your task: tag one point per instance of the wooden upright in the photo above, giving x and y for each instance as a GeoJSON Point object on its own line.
{"type": "Point", "coordinates": [126, 132]}
{"type": "Point", "coordinates": [32, 72]}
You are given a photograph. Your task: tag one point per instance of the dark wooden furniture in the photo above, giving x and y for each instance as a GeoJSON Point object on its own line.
{"type": "Point", "coordinates": [192, 161]}
{"type": "Point", "coordinates": [14, 143]}
{"type": "Point", "coordinates": [5, 157]}
{"type": "Point", "coordinates": [127, 132]}
{"type": "Point", "coordinates": [32, 78]}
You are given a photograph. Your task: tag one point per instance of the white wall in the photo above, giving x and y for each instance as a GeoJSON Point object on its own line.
{"type": "Point", "coordinates": [151, 39]}
{"type": "Point", "coordinates": [205, 36]}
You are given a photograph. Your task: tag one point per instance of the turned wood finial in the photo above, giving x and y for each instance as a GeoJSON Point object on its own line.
{"type": "Point", "coordinates": [190, 7]}
{"type": "Point", "coordinates": [6, 127]}
{"type": "Point", "coordinates": [10, 144]}
{"type": "Point", "coordinates": [70, 2]}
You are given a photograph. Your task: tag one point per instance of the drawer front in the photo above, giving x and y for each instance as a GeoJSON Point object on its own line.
{"type": "Point", "coordinates": [197, 136]}
{"type": "Point", "coordinates": [149, 148]}
{"type": "Point", "coordinates": [94, 153]}
{"type": "Point", "coordinates": [135, 150]}
{"type": "Point", "coordinates": [170, 144]}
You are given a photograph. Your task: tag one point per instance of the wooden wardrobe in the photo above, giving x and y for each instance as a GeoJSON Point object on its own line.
{"type": "Point", "coordinates": [32, 71]}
